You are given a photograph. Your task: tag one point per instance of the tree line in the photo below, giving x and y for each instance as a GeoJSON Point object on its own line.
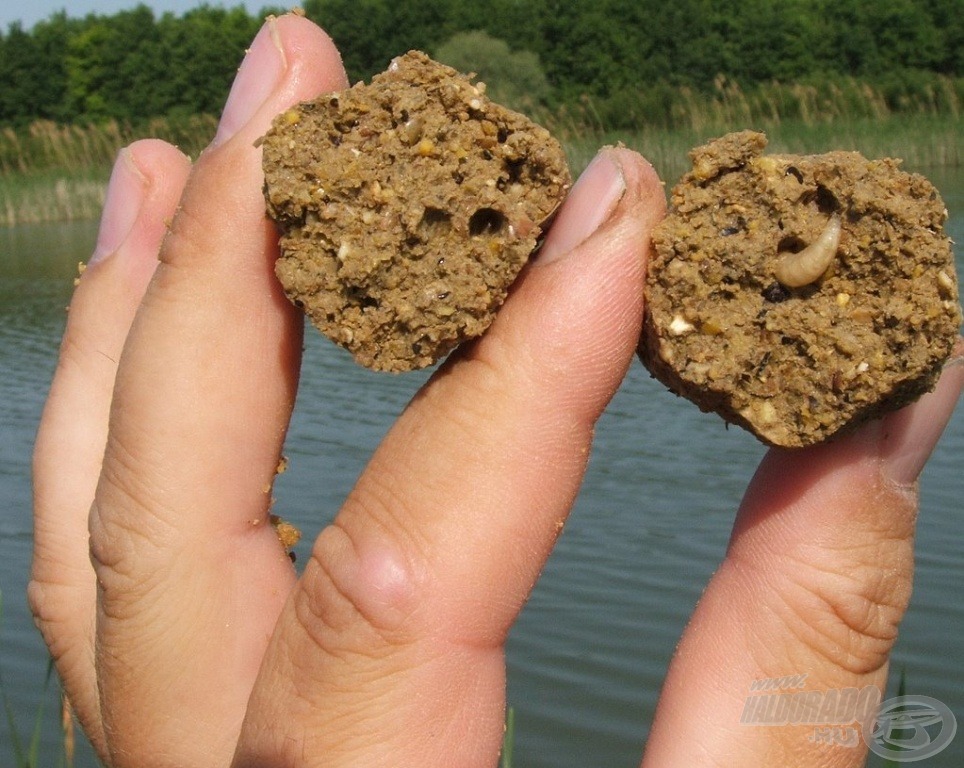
{"type": "Point", "coordinates": [619, 55]}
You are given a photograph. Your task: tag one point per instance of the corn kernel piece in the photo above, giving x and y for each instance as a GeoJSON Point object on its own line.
{"type": "Point", "coordinates": [945, 283]}
{"type": "Point", "coordinates": [680, 325]}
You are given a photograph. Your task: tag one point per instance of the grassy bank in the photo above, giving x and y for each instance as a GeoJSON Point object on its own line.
{"type": "Point", "coordinates": [57, 173]}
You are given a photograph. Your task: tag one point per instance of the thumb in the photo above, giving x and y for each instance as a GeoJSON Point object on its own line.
{"type": "Point", "coordinates": [390, 650]}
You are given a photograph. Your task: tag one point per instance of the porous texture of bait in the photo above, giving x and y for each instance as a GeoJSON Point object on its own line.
{"type": "Point", "coordinates": [407, 208]}
{"type": "Point", "coordinates": [796, 366]}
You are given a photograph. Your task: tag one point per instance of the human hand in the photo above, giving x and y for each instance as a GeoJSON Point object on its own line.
{"type": "Point", "coordinates": [815, 582]}
{"type": "Point", "coordinates": [192, 642]}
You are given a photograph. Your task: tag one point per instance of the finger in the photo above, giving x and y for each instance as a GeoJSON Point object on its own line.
{"type": "Point", "coordinates": [145, 185]}
{"type": "Point", "coordinates": [191, 576]}
{"type": "Point", "coordinates": [390, 651]}
{"type": "Point", "coordinates": [815, 583]}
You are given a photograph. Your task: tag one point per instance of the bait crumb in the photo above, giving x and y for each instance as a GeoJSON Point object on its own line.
{"type": "Point", "coordinates": [797, 364]}
{"type": "Point", "coordinates": [407, 208]}
{"type": "Point", "coordinates": [289, 535]}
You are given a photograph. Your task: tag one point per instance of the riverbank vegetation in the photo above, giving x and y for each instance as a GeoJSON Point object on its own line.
{"type": "Point", "coordinates": [886, 79]}
{"type": "Point", "coordinates": [54, 172]}
{"type": "Point", "coordinates": [59, 173]}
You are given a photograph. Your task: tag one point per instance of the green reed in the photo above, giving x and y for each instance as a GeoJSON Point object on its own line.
{"type": "Point", "coordinates": [508, 739]}
{"type": "Point", "coordinates": [26, 754]}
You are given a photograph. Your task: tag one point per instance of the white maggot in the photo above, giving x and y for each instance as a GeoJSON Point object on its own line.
{"type": "Point", "coordinates": [795, 270]}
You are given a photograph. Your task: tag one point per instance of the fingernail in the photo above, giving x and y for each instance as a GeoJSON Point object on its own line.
{"type": "Point", "coordinates": [258, 76]}
{"type": "Point", "coordinates": [122, 204]}
{"type": "Point", "coordinates": [910, 435]}
{"type": "Point", "coordinates": [591, 202]}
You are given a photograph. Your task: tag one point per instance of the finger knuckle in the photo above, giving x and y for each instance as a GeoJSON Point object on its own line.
{"type": "Point", "coordinates": [41, 607]}
{"type": "Point", "coordinates": [129, 542]}
{"type": "Point", "coordinates": [56, 612]}
{"type": "Point", "coordinates": [358, 594]}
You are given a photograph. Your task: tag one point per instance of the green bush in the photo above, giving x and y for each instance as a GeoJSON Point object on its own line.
{"type": "Point", "coordinates": [513, 78]}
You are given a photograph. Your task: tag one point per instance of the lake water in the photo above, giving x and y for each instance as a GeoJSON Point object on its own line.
{"type": "Point", "coordinates": [588, 655]}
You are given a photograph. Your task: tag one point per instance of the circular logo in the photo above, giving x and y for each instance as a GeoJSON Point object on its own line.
{"type": "Point", "coordinates": [910, 728]}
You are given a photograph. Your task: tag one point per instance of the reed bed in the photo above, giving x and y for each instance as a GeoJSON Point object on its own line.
{"type": "Point", "coordinates": [45, 197]}
{"type": "Point", "coordinates": [54, 172]}
{"type": "Point", "coordinates": [51, 172]}
{"type": "Point", "coordinates": [831, 99]}
{"type": "Point", "coordinates": [918, 122]}
{"type": "Point", "coordinates": [824, 101]}
{"type": "Point", "coordinates": [47, 146]}
{"type": "Point", "coordinates": [922, 142]}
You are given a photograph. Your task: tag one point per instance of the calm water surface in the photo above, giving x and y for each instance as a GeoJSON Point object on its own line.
{"type": "Point", "coordinates": [589, 653]}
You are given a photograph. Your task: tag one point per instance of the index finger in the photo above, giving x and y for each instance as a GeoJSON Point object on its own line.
{"type": "Point", "coordinates": [190, 574]}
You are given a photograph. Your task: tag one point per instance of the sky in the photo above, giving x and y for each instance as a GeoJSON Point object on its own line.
{"type": "Point", "coordinates": [29, 13]}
